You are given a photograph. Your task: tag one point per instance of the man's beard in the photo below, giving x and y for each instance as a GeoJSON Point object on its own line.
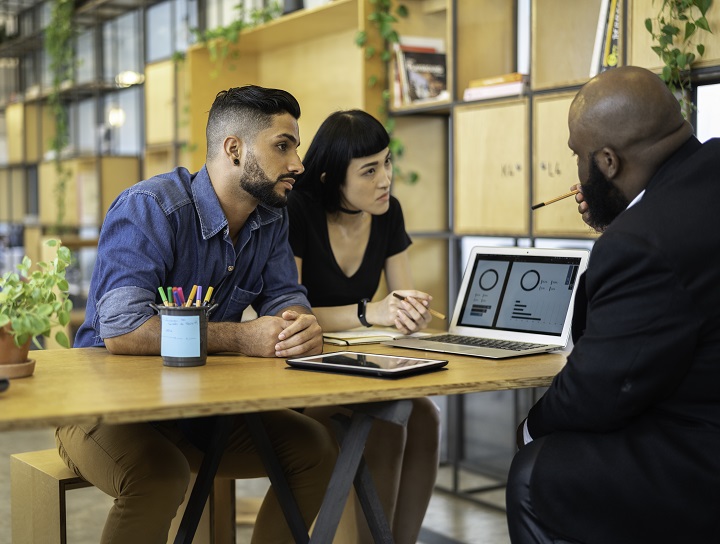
{"type": "Point", "coordinates": [604, 200]}
{"type": "Point", "coordinates": [256, 183]}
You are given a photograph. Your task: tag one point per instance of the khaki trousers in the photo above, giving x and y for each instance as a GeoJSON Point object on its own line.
{"type": "Point", "coordinates": [147, 466]}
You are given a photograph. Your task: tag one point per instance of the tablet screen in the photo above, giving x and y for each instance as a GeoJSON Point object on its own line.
{"type": "Point", "coordinates": [366, 363]}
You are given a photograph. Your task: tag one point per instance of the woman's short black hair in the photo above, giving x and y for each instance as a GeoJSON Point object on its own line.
{"type": "Point", "coordinates": [343, 136]}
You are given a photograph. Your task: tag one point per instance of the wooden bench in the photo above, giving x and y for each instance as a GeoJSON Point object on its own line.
{"type": "Point", "coordinates": [40, 479]}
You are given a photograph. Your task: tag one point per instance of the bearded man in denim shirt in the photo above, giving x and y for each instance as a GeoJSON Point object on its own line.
{"type": "Point", "coordinates": [225, 226]}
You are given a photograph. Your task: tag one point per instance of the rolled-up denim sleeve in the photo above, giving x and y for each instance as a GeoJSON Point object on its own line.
{"type": "Point", "coordinates": [123, 310]}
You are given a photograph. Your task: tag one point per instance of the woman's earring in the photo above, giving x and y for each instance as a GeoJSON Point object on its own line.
{"type": "Point", "coordinates": [236, 161]}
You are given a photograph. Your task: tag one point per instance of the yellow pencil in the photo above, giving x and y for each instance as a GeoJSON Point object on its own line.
{"type": "Point", "coordinates": [571, 193]}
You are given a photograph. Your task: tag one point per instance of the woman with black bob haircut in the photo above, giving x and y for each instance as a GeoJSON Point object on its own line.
{"type": "Point", "coordinates": [345, 231]}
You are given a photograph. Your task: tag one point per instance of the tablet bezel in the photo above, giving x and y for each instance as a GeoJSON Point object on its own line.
{"type": "Point", "coordinates": [317, 362]}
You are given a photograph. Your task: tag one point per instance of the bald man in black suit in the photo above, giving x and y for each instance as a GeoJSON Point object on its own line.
{"type": "Point", "coordinates": [624, 447]}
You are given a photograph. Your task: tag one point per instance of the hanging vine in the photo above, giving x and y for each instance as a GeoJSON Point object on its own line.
{"type": "Point", "coordinates": [384, 18]}
{"type": "Point", "coordinates": [59, 37]}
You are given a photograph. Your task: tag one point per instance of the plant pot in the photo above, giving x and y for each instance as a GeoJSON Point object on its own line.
{"type": "Point", "coordinates": [18, 370]}
{"type": "Point", "coordinates": [10, 354]}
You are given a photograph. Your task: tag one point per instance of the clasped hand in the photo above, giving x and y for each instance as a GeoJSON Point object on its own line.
{"type": "Point", "coordinates": [290, 334]}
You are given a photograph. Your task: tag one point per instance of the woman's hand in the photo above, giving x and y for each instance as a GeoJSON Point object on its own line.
{"type": "Point", "coordinates": [408, 316]}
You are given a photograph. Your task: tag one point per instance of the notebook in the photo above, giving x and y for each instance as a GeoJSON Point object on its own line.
{"type": "Point", "coordinates": [512, 301]}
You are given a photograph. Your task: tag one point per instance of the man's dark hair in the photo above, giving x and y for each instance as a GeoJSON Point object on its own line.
{"type": "Point", "coordinates": [344, 136]}
{"type": "Point", "coordinates": [245, 111]}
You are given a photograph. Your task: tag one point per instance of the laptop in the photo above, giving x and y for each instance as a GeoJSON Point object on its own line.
{"type": "Point", "coordinates": [512, 302]}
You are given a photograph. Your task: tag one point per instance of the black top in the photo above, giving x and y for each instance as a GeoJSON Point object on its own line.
{"type": "Point", "coordinates": [325, 281]}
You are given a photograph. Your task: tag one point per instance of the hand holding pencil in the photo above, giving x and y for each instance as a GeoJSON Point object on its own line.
{"type": "Point", "coordinates": [430, 310]}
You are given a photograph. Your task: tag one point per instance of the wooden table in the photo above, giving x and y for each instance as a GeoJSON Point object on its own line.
{"type": "Point", "coordinates": [91, 385]}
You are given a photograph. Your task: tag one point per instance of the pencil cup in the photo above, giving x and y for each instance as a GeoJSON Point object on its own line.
{"type": "Point", "coordinates": [183, 336]}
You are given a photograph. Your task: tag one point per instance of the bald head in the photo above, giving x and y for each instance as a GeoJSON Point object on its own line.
{"type": "Point", "coordinates": [628, 117]}
{"type": "Point", "coordinates": [626, 107]}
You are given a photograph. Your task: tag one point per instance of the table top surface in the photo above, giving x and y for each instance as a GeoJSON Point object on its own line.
{"type": "Point", "coordinates": [89, 385]}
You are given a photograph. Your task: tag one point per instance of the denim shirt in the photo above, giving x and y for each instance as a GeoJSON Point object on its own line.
{"type": "Point", "coordinates": [170, 231]}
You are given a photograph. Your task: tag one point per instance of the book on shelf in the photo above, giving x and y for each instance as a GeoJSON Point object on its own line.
{"type": "Point", "coordinates": [419, 71]}
{"type": "Point", "coordinates": [513, 88]}
{"type": "Point", "coordinates": [607, 38]}
{"type": "Point", "coordinates": [374, 335]}
{"type": "Point", "coordinates": [497, 80]}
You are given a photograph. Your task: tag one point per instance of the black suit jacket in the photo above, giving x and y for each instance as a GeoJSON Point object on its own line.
{"type": "Point", "coordinates": [632, 422]}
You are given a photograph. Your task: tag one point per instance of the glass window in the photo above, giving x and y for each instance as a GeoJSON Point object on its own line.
{"type": "Point", "coordinates": [33, 196]}
{"type": "Point", "coordinates": [213, 14]}
{"type": "Point", "coordinates": [121, 128]}
{"type": "Point", "coordinates": [85, 58]}
{"type": "Point", "coordinates": [708, 112]}
{"type": "Point", "coordinates": [83, 126]}
{"type": "Point", "coordinates": [46, 77]}
{"type": "Point", "coordinates": [9, 84]}
{"type": "Point", "coordinates": [186, 19]}
{"type": "Point", "coordinates": [3, 139]}
{"type": "Point", "coordinates": [158, 31]}
{"type": "Point", "coordinates": [29, 72]}
{"type": "Point", "coordinates": [122, 56]}
{"type": "Point", "coordinates": [45, 14]}
{"type": "Point", "coordinates": [27, 22]}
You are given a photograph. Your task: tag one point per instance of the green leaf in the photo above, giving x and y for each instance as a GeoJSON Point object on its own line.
{"type": "Point", "coordinates": [372, 81]}
{"type": "Point", "coordinates": [402, 10]}
{"type": "Point", "coordinates": [361, 38]}
{"type": "Point", "coordinates": [682, 61]}
{"type": "Point", "coordinates": [700, 49]}
{"type": "Point", "coordinates": [702, 5]}
{"type": "Point", "coordinates": [666, 74]}
{"type": "Point", "coordinates": [649, 25]}
{"type": "Point", "coordinates": [702, 23]}
{"type": "Point", "coordinates": [62, 339]}
{"type": "Point", "coordinates": [689, 30]}
{"type": "Point", "coordinates": [670, 30]}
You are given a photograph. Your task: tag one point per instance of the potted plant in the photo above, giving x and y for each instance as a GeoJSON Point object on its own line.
{"type": "Point", "coordinates": [32, 302]}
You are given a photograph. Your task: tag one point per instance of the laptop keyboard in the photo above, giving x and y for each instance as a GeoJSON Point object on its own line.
{"type": "Point", "coordinates": [480, 342]}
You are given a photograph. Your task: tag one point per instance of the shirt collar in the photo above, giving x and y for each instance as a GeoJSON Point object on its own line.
{"type": "Point", "coordinates": [212, 217]}
{"type": "Point", "coordinates": [637, 199]}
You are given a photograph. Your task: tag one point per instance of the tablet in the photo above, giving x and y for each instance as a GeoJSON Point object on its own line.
{"type": "Point", "coordinates": [352, 362]}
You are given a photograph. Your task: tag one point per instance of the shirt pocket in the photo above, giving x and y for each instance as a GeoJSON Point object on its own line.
{"type": "Point", "coordinates": [240, 299]}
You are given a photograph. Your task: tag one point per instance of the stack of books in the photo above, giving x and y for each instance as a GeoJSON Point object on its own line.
{"type": "Point", "coordinates": [512, 84]}
{"type": "Point", "coordinates": [420, 71]}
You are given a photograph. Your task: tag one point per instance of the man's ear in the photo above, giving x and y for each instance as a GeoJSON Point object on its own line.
{"type": "Point", "coordinates": [322, 177]}
{"type": "Point", "coordinates": [233, 148]}
{"type": "Point", "coordinates": [608, 162]}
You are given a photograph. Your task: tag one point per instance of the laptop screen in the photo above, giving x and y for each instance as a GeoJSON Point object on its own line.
{"type": "Point", "coordinates": [521, 293]}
